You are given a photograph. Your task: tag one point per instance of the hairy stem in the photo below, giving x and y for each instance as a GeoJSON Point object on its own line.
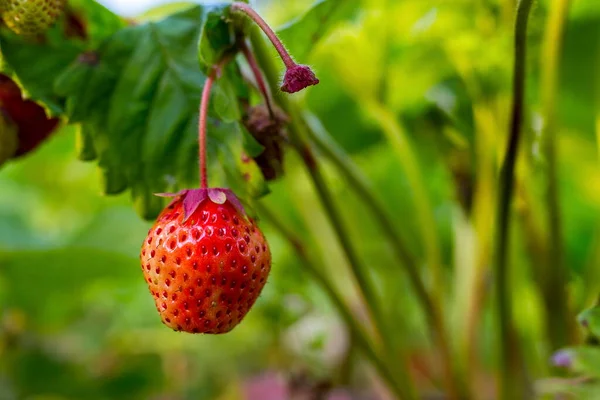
{"type": "Point", "coordinates": [249, 11]}
{"type": "Point", "coordinates": [556, 295]}
{"type": "Point", "coordinates": [257, 73]}
{"type": "Point", "coordinates": [360, 336]}
{"type": "Point", "coordinates": [512, 369]}
{"type": "Point", "coordinates": [431, 304]}
{"type": "Point", "coordinates": [215, 72]}
{"type": "Point", "coordinates": [202, 128]}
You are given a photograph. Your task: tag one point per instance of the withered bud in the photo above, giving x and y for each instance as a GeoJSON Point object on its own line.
{"type": "Point", "coordinates": [270, 132]}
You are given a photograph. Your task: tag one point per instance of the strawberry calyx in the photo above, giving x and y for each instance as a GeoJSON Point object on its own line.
{"type": "Point", "coordinates": [192, 198]}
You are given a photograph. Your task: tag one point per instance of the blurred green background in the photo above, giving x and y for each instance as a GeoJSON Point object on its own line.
{"type": "Point", "coordinates": [76, 319]}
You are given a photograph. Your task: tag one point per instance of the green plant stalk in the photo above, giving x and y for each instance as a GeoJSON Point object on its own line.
{"type": "Point", "coordinates": [397, 137]}
{"type": "Point", "coordinates": [395, 134]}
{"type": "Point", "coordinates": [431, 304]}
{"type": "Point", "coordinates": [470, 283]}
{"type": "Point", "coordinates": [597, 100]}
{"type": "Point", "coordinates": [511, 373]}
{"type": "Point", "coordinates": [359, 335]}
{"type": "Point", "coordinates": [358, 268]}
{"type": "Point", "coordinates": [592, 268]}
{"type": "Point", "coordinates": [598, 127]}
{"type": "Point", "coordinates": [556, 299]}
{"type": "Point", "coordinates": [482, 220]}
{"type": "Point", "coordinates": [598, 106]}
{"type": "Point", "coordinates": [297, 136]}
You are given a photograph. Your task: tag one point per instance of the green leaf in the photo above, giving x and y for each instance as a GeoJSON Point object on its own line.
{"type": "Point", "coordinates": [230, 143]}
{"type": "Point", "coordinates": [251, 145]}
{"type": "Point", "coordinates": [35, 64]}
{"type": "Point", "coordinates": [84, 145]}
{"type": "Point", "coordinates": [229, 92]}
{"type": "Point", "coordinates": [146, 203]}
{"type": "Point", "coordinates": [138, 96]}
{"type": "Point", "coordinates": [302, 34]}
{"type": "Point", "coordinates": [225, 100]}
{"type": "Point", "coordinates": [135, 92]}
{"type": "Point", "coordinates": [217, 35]}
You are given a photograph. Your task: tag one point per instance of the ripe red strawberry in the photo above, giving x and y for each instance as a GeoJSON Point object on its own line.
{"type": "Point", "coordinates": [205, 262]}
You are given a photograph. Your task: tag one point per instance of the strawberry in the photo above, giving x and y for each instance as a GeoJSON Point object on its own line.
{"type": "Point", "coordinates": [33, 126]}
{"type": "Point", "coordinates": [205, 261]}
{"type": "Point", "coordinates": [31, 17]}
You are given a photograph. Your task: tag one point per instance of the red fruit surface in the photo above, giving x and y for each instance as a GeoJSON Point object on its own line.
{"type": "Point", "coordinates": [33, 126]}
{"type": "Point", "coordinates": [205, 271]}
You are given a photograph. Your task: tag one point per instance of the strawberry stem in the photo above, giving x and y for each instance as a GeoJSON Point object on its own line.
{"type": "Point", "coordinates": [249, 11]}
{"type": "Point", "coordinates": [258, 76]}
{"type": "Point", "coordinates": [297, 77]}
{"type": "Point", "coordinates": [204, 101]}
{"type": "Point", "coordinates": [213, 75]}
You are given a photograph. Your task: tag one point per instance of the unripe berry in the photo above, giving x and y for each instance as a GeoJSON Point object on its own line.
{"type": "Point", "coordinates": [31, 17]}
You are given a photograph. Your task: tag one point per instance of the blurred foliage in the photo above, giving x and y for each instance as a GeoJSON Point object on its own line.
{"type": "Point", "coordinates": [76, 320]}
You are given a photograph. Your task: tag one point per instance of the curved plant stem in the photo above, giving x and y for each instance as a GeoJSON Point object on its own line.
{"type": "Point", "coordinates": [512, 368]}
{"type": "Point", "coordinates": [245, 8]}
{"type": "Point", "coordinates": [363, 187]}
{"type": "Point", "coordinates": [297, 136]}
{"type": "Point", "coordinates": [359, 335]}
{"type": "Point", "coordinates": [253, 64]}
{"type": "Point", "coordinates": [202, 128]}
{"type": "Point", "coordinates": [556, 294]}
